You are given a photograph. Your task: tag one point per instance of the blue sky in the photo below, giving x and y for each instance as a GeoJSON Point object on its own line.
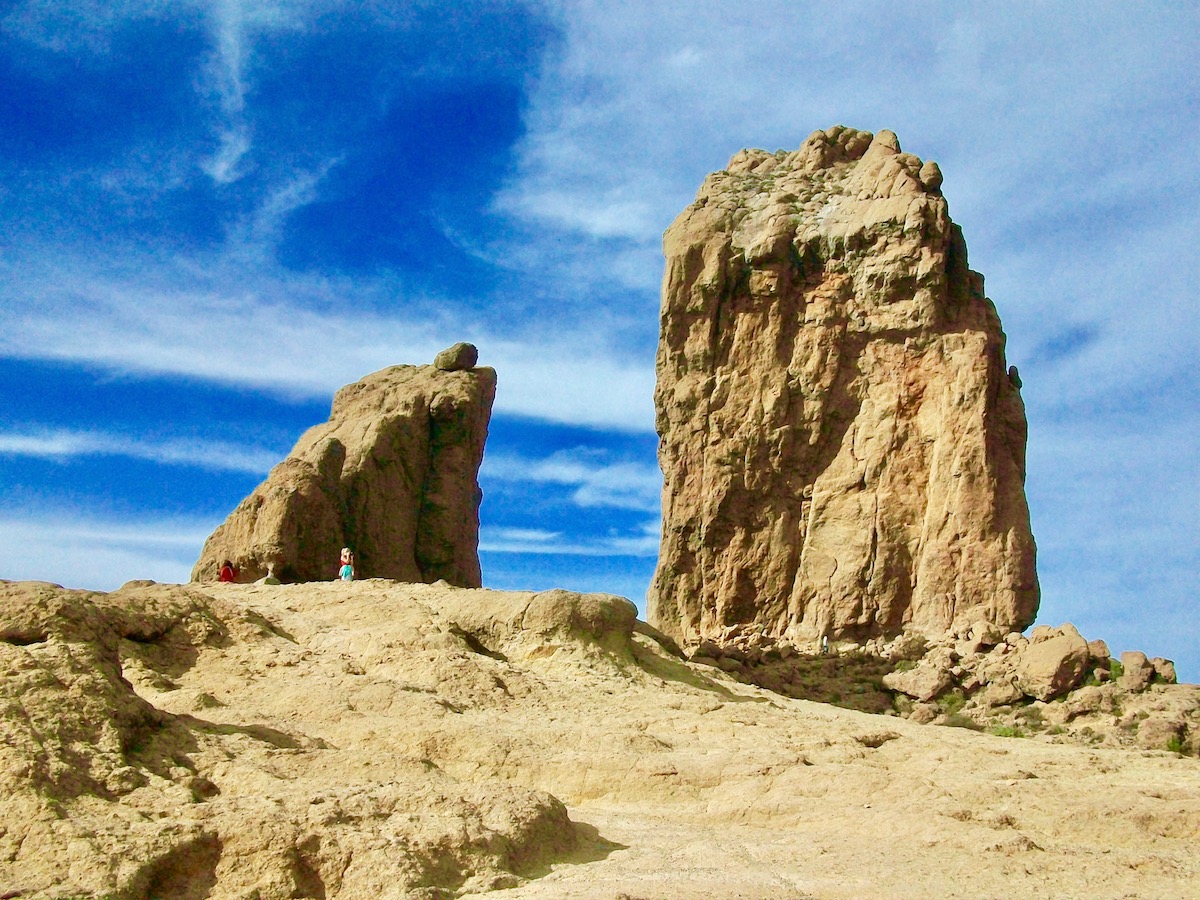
{"type": "Point", "coordinates": [213, 214]}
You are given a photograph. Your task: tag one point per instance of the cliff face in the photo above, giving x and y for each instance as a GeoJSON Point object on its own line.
{"type": "Point", "coordinates": [392, 475]}
{"type": "Point", "coordinates": [842, 446]}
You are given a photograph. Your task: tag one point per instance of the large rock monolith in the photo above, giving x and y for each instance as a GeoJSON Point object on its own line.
{"type": "Point", "coordinates": [842, 444]}
{"type": "Point", "coordinates": [392, 475]}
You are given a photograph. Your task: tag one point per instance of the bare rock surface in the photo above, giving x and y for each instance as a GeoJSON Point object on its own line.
{"type": "Point", "coordinates": [392, 740]}
{"type": "Point", "coordinates": [842, 444]}
{"type": "Point", "coordinates": [392, 475]}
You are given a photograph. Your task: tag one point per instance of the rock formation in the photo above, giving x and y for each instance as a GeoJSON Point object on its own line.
{"type": "Point", "coordinates": [1052, 684]}
{"type": "Point", "coordinates": [392, 475]}
{"type": "Point", "coordinates": [420, 741]}
{"type": "Point", "coordinates": [843, 446]}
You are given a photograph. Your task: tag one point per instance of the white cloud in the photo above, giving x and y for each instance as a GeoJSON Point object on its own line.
{"type": "Point", "coordinates": [99, 555]}
{"type": "Point", "coordinates": [225, 165]}
{"type": "Point", "coordinates": [64, 444]}
{"type": "Point", "coordinates": [83, 25]}
{"type": "Point", "coordinates": [597, 482]}
{"type": "Point", "coordinates": [256, 237]}
{"type": "Point", "coordinates": [523, 535]}
{"type": "Point", "coordinates": [234, 27]}
{"type": "Point", "coordinates": [296, 335]}
{"type": "Point", "coordinates": [1033, 111]}
{"type": "Point", "coordinates": [641, 543]}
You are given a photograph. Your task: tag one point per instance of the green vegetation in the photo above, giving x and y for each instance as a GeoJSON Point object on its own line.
{"type": "Point", "coordinates": [1115, 669]}
{"type": "Point", "coordinates": [951, 702]}
{"type": "Point", "coordinates": [1010, 731]}
{"type": "Point", "coordinates": [958, 720]}
{"type": "Point", "coordinates": [1175, 744]}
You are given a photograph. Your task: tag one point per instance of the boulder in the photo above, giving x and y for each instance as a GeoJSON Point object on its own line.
{"type": "Point", "coordinates": [922, 683]}
{"type": "Point", "coordinates": [1164, 669]}
{"type": "Point", "coordinates": [1000, 693]}
{"type": "Point", "coordinates": [986, 634]}
{"type": "Point", "coordinates": [908, 646]}
{"type": "Point", "coordinates": [843, 450]}
{"type": "Point", "coordinates": [1158, 733]}
{"type": "Point", "coordinates": [1089, 700]}
{"type": "Point", "coordinates": [1138, 671]}
{"type": "Point", "coordinates": [1099, 652]}
{"type": "Point", "coordinates": [1052, 663]}
{"type": "Point", "coordinates": [522, 623]}
{"type": "Point", "coordinates": [459, 358]}
{"type": "Point", "coordinates": [392, 475]}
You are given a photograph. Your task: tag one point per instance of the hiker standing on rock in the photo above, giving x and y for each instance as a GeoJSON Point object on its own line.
{"type": "Point", "coordinates": [346, 573]}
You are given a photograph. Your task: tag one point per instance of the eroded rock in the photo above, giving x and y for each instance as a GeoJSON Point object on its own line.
{"type": "Point", "coordinates": [392, 475]}
{"type": "Point", "coordinates": [843, 450]}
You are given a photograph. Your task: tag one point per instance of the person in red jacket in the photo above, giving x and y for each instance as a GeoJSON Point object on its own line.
{"type": "Point", "coordinates": [228, 572]}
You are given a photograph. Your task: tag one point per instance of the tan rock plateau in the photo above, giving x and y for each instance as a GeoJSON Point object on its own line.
{"type": "Point", "coordinates": [842, 444]}
{"type": "Point", "coordinates": [388, 740]}
{"type": "Point", "coordinates": [392, 475]}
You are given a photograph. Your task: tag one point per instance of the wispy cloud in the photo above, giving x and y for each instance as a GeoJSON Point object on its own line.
{"type": "Point", "coordinates": [255, 238]}
{"type": "Point", "coordinates": [643, 542]}
{"type": "Point", "coordinates": [102, 554]}
{"type": "Point", "coordinates": [639, 102]}
{"type": "Point", "coordinates": [297, 335]}
{"type": "Point", "coordinates": [235, 26]}
{"type": "Point", "coordinates": [597, 482]}
{"type": "Point", "coordinates": [65, 444]}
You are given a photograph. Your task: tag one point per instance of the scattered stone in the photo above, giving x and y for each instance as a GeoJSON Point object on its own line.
{"type": "Point", "coordinates": [1099, 652]}
{"type": "Point", "coordinates": [876, 739]}
{"type": "Point", "coordinates": [922, 683]}
{"type": "Point", "coordinates": [1053, 663]}
{"type": "Point", "coordinates": [1157, 733]}
{"type": "Point", "coordinates": [1088, 700]}
{"type": "Point", "coordinates": [909, 646]}
{"type": "Point", "coordinates": [986, 634]}
{"type": "Point", "coordinates": [925, 713]}
{"type": "Point", "coordinates": [1001, 693]}
{"type": "Point", "coordinates": [1041, 633]}
{"type": "Point", "coordinates": [1138, 671]}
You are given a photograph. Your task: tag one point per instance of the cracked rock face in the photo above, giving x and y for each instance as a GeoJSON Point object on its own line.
{"type": "Point", "coordinates": [842, 445]}
{"type": "Point", "coordinates": [392, 475]}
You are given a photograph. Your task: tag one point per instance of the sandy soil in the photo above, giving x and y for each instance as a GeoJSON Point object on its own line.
{"type": "Point", "coordinates": [448, 715]}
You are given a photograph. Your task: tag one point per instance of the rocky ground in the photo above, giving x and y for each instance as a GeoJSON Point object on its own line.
{"type": "Point", "coordinates": [379, 739]}
{"type": "Point", "coordinates": [1053, 685]}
